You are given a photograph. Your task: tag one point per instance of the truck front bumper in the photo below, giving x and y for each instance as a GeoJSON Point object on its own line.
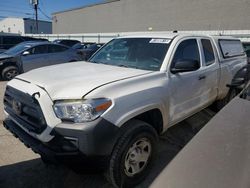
{"type": "Point", "coordinates": [89, 140]}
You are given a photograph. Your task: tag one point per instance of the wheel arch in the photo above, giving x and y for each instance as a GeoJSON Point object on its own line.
{"type": "Point", "coordinates": [152, 115]}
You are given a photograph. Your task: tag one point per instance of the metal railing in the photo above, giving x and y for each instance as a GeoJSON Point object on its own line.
{"type": "Point", "coordinates": [244, 35]}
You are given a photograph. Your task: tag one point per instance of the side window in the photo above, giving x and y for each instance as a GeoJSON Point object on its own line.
{"type": "Point", "coordinates": [187, 50]}
{"type": "Point", "coordinates": [1, 42]}
{"type": "Point", "coordinates": [56, 48]}
{"type": "Point", "coordinates": [208, 51]}
{"type": "Point", "coordinates": [41, 49]}
{"type": "Point", "coordinates": [231, 48]}
{"type": "Point", "coordinates": [248, 52]}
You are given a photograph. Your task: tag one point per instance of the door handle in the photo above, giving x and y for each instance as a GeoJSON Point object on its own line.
{"type": "Point", "coordinates": [202, 77]}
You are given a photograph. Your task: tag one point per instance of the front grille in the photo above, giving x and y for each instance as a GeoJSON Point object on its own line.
{"type": "Point", "coordinates": [24, 109]}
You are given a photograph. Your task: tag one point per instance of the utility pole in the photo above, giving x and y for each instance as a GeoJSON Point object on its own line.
{"type": "Point", "coordinates": [35, 4]}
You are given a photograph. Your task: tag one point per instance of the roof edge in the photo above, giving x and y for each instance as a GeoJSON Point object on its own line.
{"type": "Point", "coordinates": [86, 6]}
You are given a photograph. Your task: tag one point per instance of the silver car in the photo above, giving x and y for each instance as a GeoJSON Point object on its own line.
{"type": "Point", "coordinates": [31, 55]}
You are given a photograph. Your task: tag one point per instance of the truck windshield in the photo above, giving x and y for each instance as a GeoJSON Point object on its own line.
{"type": "Point", "coordinates": [140, 53]}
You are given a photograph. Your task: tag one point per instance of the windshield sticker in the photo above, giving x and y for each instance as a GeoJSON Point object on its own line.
{"type": "Point", "coordinates": [161, 41]}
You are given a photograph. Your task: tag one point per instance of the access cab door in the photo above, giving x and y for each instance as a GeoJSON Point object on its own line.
{"type": "Point", "coordinates": [191, 91]}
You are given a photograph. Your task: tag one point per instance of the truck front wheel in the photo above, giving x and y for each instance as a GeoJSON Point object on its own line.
{"type": "Point", "coordinates": [132, 156]}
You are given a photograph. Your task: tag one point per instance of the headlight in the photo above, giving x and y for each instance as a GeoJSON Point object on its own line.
{"type": "Point", "coordinates": [81, 110]}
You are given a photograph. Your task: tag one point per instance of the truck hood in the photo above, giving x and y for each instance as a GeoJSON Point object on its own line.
{"type": "Point", "coordinates": [74, 80]}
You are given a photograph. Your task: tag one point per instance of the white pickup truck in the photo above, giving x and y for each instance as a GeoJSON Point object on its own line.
{"type": "Point", "coordinates": [114, 107]}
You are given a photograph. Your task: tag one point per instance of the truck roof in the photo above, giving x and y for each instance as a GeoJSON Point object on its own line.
{"type": "Point", "coordinates": [173, 35]}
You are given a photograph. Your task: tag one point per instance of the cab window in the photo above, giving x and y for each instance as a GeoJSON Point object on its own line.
{"type": "Point", "coordinates": [187, 50]}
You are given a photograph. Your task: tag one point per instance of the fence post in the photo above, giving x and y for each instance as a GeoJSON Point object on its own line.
{"type": "Point", "coordinates": [99, 38]}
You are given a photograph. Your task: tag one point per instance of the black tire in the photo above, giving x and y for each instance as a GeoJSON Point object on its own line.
{"type": "Point", "coordinates": [223, 102]}
{"type": "Point", "coordinates": [137, 132]}
{"type": "Point", "coordinates": [10, 72]}
{"type": "Point", "coordinates": [47, 161]}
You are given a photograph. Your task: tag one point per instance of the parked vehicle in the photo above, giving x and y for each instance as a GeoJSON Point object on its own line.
{"type": "Point", "coordinates": [81, 46]}
{"type": "Point", "coordinates": [218, 155]}
{"type": "Point", "coordinates": [246, 46]}
{"type": "Point", "coordinates": [66, 42]}
{"type": "Point", "coordinates": [31, 55]}
{"type": "Point", "coordinates": [26, 38]}
{"type": "Point", "coordinates": [115, 106]}
{"type": "Point", "coordinates": [9, 40]}
{"type": "Point", "coordinates": [89, 51]}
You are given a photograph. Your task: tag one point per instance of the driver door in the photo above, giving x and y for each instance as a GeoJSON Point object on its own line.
{"type": "Point", "coordinates": [36, 58]}
{"type": "Point", "coordinates": [186, 88]}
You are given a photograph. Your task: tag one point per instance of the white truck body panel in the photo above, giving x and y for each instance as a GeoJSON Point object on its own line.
{"type": "Point", "coordinates": [134, 91]}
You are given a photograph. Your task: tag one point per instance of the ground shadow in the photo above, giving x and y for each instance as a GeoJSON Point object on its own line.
{"type": "Point", "coordinates": [34, 173]}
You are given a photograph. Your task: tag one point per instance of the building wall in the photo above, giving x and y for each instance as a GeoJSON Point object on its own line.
{"type": "Point", "coordinates": [43, 26]}
{"type": "Point", "coordinates": [157, 15]}
{"type": "Point", "coordinates": [12, 25]}
{"type": "Point", "coordinates": [24, 26]}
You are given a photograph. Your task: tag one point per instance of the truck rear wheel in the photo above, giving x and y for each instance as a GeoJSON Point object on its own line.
{"type": "Point", "coordinates": [9, 73]}
{"type": "Point", "coordinates": [132, 156]}
{"type": "Point", "coordinates": [223, 102]}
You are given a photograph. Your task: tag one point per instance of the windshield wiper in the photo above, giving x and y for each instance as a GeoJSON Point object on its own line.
{"type": "Point", "coordinates": [126, 66]}
{"type": "Point", "coordinates": [121, 65]}
{"type": "Point", "coordinates": [98, 62]}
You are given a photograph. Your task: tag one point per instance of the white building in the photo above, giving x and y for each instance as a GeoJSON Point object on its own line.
{"type": "Point", "coordinates": [24, 26]}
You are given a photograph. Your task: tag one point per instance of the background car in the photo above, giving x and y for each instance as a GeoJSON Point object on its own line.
{"type": "Point", "coordinates": [246, 46]}
{"type": "Point", "coordinates": [81, 46]}
{"type": "Point", "coordinates": [31, 55]}
{"type": "Point", "coordinates": [9, 40]}
{"type": "Point", "coordinates": [87, 52]}
{"type": "Point", "coordinates": [66, 42]}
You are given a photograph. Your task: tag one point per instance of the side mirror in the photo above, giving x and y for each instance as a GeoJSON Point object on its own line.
{"type": "Point", "coordinates": [25, 53]}
{"type": "Point", "coordinates": [185, 66]}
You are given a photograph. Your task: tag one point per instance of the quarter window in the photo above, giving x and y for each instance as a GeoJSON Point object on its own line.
{"type": "Point", "coordinates": [208, 51]}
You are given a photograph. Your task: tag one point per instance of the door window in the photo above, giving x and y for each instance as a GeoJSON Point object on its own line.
{"type": "Point", "coordinates": [56, 48]}
{"type": "Point", "coordinates": [208, 51]}
{"type": "Point", "coordinates": [41, 49]}
{"type": "Point", "coordinates": [187, 50]}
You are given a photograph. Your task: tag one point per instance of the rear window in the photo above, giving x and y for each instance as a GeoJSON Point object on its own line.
{"type": "Point", "coordinates": [231, 48]}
